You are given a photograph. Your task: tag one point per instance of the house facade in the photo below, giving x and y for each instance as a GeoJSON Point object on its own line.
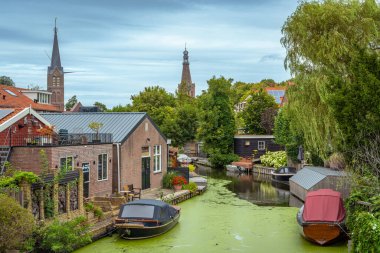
{"type": "Point", "coordinates": [139, 150]}
{"type": "Point", "coordinates": [254, 146]}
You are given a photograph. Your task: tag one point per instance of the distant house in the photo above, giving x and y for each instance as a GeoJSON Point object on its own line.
{"type": "Point", "coordinates": [278, 94]}
{"type": "Point", "coordinates": [38, 100]}
{"type": "Point", "coordinates": [246, 146]}
{"type": "Point", "coordinates": [139, 148]}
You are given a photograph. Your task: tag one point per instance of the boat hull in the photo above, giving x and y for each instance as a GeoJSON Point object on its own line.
{"type": "Point", "coordinates": [321, 233]}
{"type": "Point", "coordinates": [281, 177]}
{"type": "Point", "coordinates": [136, 230]}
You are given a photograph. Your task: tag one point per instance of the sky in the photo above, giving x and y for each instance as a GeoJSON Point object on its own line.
{"type": "Point", "coordinates": [115, 48]}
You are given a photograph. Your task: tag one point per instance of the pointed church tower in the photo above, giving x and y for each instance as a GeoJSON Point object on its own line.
{"type": "Point", "coordinates": [186, 85]}
{"type": "Point", "coordinates": [55, 75]}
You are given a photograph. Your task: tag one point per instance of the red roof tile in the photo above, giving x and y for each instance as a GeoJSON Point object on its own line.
{"type": "Point", "coordinates": [15, 112]}
{"type": "Point", "coordinates": [12, 97]}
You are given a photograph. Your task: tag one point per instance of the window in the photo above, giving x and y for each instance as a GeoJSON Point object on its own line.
{"type": "Point", "coordinates": [157, 159]}
{"type": "Point", "coordinates": [261, 145]}
{"type": "Point", "coordinates": [66, 163]}
{"type": "Point", "coordinates": [102, 167]}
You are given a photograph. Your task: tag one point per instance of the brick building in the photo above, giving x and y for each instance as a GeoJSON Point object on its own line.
{"type": "Point", "coordinates": [186, 86]}
{"type": "Point", "coordinates": [139, 148]}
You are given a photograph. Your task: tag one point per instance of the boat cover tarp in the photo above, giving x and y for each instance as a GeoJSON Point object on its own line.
{"type": "Point", "coordinates": [323, 205]}
{"type": "Point", "coordinates": [147, 209]}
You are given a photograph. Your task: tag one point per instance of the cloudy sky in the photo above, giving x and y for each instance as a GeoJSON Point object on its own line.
{"type": "Point", "coordinates": [117, 47]}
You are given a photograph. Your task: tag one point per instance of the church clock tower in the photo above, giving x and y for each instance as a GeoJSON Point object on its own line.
{"type": "Point", "coordinates": [55, 75]}
{"type": "Point", "coordinates": [186, 86]}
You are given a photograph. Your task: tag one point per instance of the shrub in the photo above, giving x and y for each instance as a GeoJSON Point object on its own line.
{"type": "Point", "coordinates": [218, 160]}
{"type": "Point", "coordinates": [98, 212]}
{"type": "Point", "coordinates": [179, 180]}
{"type": "Point", "coordinates": [89, 206]}
{"type": "Point", "coordinates": [191, 186]}
{"type": "Point", "coordinates": [274, 159]}
{"type": "Point", "coordinates": [191, 167]}
{"type": "Point", "coordinates": [17, 224]}
{"type": "Point", "coordinates": [63, 236]}
{"type": "Point", "coordinates": [167, 179]}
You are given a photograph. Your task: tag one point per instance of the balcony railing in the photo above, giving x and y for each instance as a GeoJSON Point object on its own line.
{"type": "Point", "coordinates": [59, 140]}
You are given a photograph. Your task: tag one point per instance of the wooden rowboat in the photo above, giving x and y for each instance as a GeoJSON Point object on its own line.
{"type": "Point", "coordinates": [322, 218]}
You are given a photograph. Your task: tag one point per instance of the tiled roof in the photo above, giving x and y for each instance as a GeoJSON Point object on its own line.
{"type": "Point", "coordinates": [119, 124]}
{"type": "Point", "coordinates": [7, 113]}
{"type": "Point", "coordinates": [310, 176]}
{"type": "Point", "coordinates": [12, 97]}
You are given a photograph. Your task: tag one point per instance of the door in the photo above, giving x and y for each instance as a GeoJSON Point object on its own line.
{"type": "Point", "coordinates": [145, 161]}
{"type": "Point", "coordinates": [86, 179]}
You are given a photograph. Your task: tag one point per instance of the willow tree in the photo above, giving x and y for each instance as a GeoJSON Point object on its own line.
{"type": "Point", "coordinates": [322, 38]}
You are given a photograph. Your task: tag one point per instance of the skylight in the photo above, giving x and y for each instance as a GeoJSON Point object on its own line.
{"type": "Point", "coordinates": [11, 92]}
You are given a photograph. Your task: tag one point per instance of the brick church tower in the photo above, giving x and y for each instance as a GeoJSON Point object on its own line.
{"type": "Point", "coordinates": [186, 86]}
{"type": "Point", "coordinates": [55, 76]}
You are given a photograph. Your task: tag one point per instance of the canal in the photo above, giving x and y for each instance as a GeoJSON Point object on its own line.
{"type": "Point", "coordinates": [238, 213]}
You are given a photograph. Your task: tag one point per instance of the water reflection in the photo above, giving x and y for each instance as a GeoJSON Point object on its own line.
{"type": "Point", "coordinates": [255, 188]}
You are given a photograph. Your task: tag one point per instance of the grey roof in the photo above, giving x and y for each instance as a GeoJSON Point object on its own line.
{"type": "Point", "coordinates": [119, 124]}
{"type": "Point", "coordinates": [310, 176]}
{"type": "Point", "coordinates": [5, 112]}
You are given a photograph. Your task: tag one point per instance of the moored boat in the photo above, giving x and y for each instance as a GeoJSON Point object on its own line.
{"type": "Point", "coordinates": [322, 218]}
{"type": "Point", "coordinates": [146, 218]}
{"type": "Point", "coordinates": [235, 168]}
{"type": "Point", "coordinates": [283, 173]}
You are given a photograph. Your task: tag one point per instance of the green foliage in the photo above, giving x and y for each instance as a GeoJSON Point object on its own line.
{"type": "Point", "coordinates": [98, 212]}
{"type": "Point", "coordinates": [102, 107]}
{"type": "Point", "coordinates": [6, 80]}
{"type": "Point", "coordinates": [17, 177]}
{"type": "Point", "coordinates": [89, 206]}
{"type": "Point", "coordinates": [95, 126]}
{"type": "Point", "coordinates": [258, 105]}
{"type": "Point", "coordinates": [191, 186]}
{"type": "Point", "coordinates": [274, 159]}
{"type": "Point", "coordinates": [366, 233]}
{"type": "Point", "coordinates": [63, 236]}
{"type": "Point", "coordinates": [217, 123]}
{"type": "Point", "coordinates": [167, 179]}
{"type": "Point", "coordinates": [327, 34]}
{"type": "Point", "coordinates": [17, 224]}
{"type": "Point", "coordinates": [71, 102]}
{"type": "Point", "coordinates": [219, 160]}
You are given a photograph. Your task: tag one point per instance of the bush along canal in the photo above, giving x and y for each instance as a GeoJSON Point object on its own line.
{"type": "Point", "coordinates": [219, 221]}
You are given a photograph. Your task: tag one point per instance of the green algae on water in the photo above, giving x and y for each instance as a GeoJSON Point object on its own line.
{"type": "Point", "coordinates": [218, 221]}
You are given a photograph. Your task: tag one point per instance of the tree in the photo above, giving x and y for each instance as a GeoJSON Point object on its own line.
{"type": "Point", "coordinates": [17, 224]}
{"type": "Point", "coordinates": [102, 107]}
{"type": "Point", "coordinates": [6, 80]}
{"type": "Point", "coordinates": [260, 106]}
{"type": "Point", "coordinates": [95, 126]}
{"type": "Point", "coordinates": [322, 38]}
{"type": "Point", "coordinates": [151, 100]}
{"type": "Point", "coordinates": [71, 102]}
{"type": "Point", "coordinates": [216, 122]}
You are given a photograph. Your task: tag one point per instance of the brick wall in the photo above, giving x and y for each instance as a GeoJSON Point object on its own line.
{"type": "Point", "coordinates": [28, 159]}
{"type": "Point", "coordinates": [27, 126]}
{"type": "Point", "coordinates": [131, 153]}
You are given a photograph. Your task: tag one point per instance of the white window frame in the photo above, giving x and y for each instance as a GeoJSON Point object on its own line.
{"type": "Point", "coordinates": [261, 145]}
{"type": "Point", "coordinates": [101, 166]}
{"type": "Point", "coordinates": [157, 158]}
{"type": "Point", "coordinates": [65, 162]}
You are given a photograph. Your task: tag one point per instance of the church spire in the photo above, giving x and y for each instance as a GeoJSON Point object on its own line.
{"type": "Point", "coordinates": [186, 84]}
{"type": "Point", "coordinates": [55, 75]}
{"type": "Point", "coordinates": [55, 57]}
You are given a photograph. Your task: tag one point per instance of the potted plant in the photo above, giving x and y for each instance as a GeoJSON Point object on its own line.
{"type": "Point", "coordinates": [178, 182]}
{"type": "Point", "coordinates": [95, 126]}
{"type": "Point", "coordinates": [46, 132]}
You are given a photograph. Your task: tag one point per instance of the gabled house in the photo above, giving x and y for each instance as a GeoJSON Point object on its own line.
{"type": "Point", "coordinates": [140, 151]}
